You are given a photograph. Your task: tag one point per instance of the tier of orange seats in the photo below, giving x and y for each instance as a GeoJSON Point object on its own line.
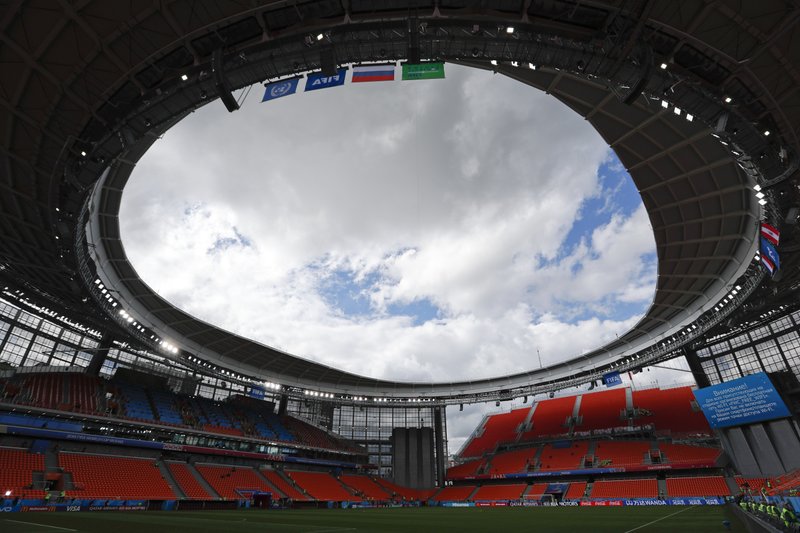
{"type": "Point", "coordinates": [16, 472]}
{"type": "Point", "coordinates": [553, 458]}
{"type": "Point", "coordinates": [536, 491]}
{"type": "Point", "coordinates": [575, 491]}
{"type": "Point", "coordinates": [497, 428]}
{"type": "Point", "coordinates": [549, 417]}
{"type": "Point", "coordinates": [454, 493]}
{"type": "Point", "coordinates": [513, 461]}
{"type": "Point", "coordinates": [671, 409]}
{"type": "Point", "coordinates": [282, 485]}
{"type": "Point", "coordinates": [753, 483]}
{"type": "Point", "coordinates": [470, 468]}
{"type": "Point", "coordinates": [697, 486]}
{"type": "Point", "coordinates": [231, 481]}
{"type": "Point", "coordinates": [187, 482]}
{"type": "Point", "coordinates": [602, 410]}
{"type": "Point", "coordinates": [402, 492]}
{"type": "Point", "coordinates": [500, 492]}
{"type": "Point", "coordinates": [688, 454]}
{"type": "Point", "coordinates": [107, 477]}
{"type": "Point", "coordinates": [620, 453]}
{"type": "Point", "coordinates": [322, 486]}
{"type": "Point", "coordinates": [625, 488]}
{"type": "Point", "coordinates": [366, 486]}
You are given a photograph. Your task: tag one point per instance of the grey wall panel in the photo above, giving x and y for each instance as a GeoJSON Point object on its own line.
{"type": "Point", "coordinates": [738, 449]}
{"type": "Point", "coordinates": [786, 442]}
{"type": "Point", "coordinates": [763, 450]}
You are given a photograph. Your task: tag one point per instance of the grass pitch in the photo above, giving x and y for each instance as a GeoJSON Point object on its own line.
{"type": "Point", "coordinates": [414, 520]}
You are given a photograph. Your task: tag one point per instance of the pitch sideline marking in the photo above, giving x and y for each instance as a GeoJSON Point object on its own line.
{"type": "Point", "coordinates": [35, 524]}
{"type": "Point", "coordinates": [660, 519]}
{"type": "Point", "coordinates": [332, 529]}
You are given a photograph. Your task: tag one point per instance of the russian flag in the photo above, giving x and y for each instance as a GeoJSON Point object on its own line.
{"type": "Point", "coordinates": [770, 233]}
{"type": "Point", "coordinates": [363, 73]}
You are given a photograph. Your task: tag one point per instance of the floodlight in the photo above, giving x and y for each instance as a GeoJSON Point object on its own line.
{"type": "Point", "coordinates": [677, 111]}
{"type": "Point", "coordinates": [664, 104]}
{"type": "Point", "coordinates": [663, 66]}
{"type": "Point", "coordinates": [756, 187]}
{"type": "Point", "coordinates": [184, 77]}
{"type": "Point", "coordinates": [762, 202]}
{"type": "Point", "coordinates": [689, 117]}
{"type": "Point", "coordinates": [494, 62]}
{"type": "Point", "coordinates": [510, 29]}
{"type": "Point", "coordinates": [766, 133]}
{"type": "Point", "coordinates": [320, 36]}
{"type": "Point", "coordinates": [759, 195]}
{"type": "Point", "coordinates": [531, 66]}
{"type": "Point", "coordinates": [728, 99]}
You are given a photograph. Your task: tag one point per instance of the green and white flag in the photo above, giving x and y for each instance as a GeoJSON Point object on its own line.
{"type": "Point", "coordinates": [423, 71]}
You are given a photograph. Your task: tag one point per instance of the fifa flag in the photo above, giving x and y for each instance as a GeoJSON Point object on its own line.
{"type": "Point", "coordinates": [423, 71]}
{"type": "Point", "coordinates": [320, 81]}
{"type": "Point", "coordinates": [769, 256]}
{"type": "Point", "coordinates": [280, 88]}
{"type": "Point", "coordinates": [770, 233]}
{"type": "Point", "coordinates": [363, 73]}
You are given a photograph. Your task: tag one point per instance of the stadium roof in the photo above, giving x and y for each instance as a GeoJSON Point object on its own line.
{"type": "Point", "coordinates": [87, 87]}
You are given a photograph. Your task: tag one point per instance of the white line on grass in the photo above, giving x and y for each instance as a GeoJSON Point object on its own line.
{"type": "Point", "coordinates": [332, 529]}
{"type": "Point", "coordinates": [41, 525]}
{"type": "Point", "coordinates": [658, 519]}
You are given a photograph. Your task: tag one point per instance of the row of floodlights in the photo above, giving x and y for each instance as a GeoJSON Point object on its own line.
{"type": "Point", "coordinates": [759, 194]}
{"type": "Point", "coordinates": [677, 110]}
{"type": "Point", "coordinates": [105, 292]}
{"type": "Point", "coordinates": [729, 297]}
{"type": "Point", "coordinates": [20, 297]}
{"type": "Point", "coordinates": [227, 373]}
{"type": "Point", "coordinates": [165, 345]}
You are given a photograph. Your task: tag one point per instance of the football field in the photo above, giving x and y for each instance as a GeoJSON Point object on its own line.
{"type": "Point", "coordinates": [413, 520]}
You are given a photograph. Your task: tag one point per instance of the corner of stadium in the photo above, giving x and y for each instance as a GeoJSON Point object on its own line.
{"type": "Point", "coordinates": [120, 411]}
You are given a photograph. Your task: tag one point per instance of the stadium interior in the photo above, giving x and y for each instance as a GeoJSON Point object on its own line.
{"type": "Point", "coordinates": [112, 397]}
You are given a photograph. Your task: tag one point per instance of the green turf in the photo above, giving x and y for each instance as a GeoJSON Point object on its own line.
{"type": "Point", "coordinates": [422, 520]}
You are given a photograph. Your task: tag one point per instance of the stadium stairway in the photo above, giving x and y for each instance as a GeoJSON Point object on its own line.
{"type": "Point", "coordinates": [281, 474]}
{"type": "Point", "coordinates": [269, 484]}
{"type": "Point", "coordinates": [203, 483]}
{"type": "Point", "coordinates": [662, 487]}
{"type": "Point", "coordinates": [732, 485]}
{"type": "Point", "coordinates": [167, 475]}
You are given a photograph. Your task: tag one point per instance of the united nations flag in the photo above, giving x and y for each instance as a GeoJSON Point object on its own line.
{"type": "Point", "coordinates": [280, 88]}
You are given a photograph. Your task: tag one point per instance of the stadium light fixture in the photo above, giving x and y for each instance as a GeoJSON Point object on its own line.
{"type": "Point", "coordinates": [184, 77]}
{"type": "Point", "coordinates": [510, 29]}
{"type": "Point", "coordinates": [728, 99]}
{"type": "Point", "coordinates": [762, 202]}
{"type": "Point", "coordinates": [677, 111]}
{"type": "Point", "coordinates": [756, 187]}
{"type": "Point", "coordinates": [83, 153]}
{"type": "Point", "coordinates": [531, 66]}
{"type": "Point", "coordinates": [663, 66]}
{"type": "Point", "coordinates": [759, 195]}
{"type": "Point", "coordinates": [515, 63]}
{"type": "Point", "coordinates": [493, 62]}
{"type": "Point", "coordinates": [664, 104]}
{"type": "Point", "coordinates": [766, 133]}
{"type": "Point", "coordinates": [320, 36]}
{"type": "Point", "coordinates": [689, 117]}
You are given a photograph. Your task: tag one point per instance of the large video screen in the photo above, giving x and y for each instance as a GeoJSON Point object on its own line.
{"type": "Point", "coordinates": [741, 401]}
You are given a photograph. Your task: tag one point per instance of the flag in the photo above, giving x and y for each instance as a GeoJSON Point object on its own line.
{"type": "Point", "coordinates": [362, 73]}
{"type": "Point", "coordinates": [320, 81]}
{"type": "Point", "coordinates": [280, 88]}
{"type": "Point", "coordinates": [769, 256]}
{"type": "Point", "coordinates": [423, 71]}
{"type": "Point", "coordinates": [770, 233]}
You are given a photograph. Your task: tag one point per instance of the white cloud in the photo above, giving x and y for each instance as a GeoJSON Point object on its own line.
{"type": "Point", "coordinates": [460, 192]}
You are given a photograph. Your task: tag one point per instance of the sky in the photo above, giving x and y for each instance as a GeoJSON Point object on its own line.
{"type": "Point", "coordinates": [419, 231]}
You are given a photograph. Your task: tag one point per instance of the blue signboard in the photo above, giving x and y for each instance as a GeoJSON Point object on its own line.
{"type": "Point", "coordinates": [256, 392]}
{"type": "Point", "coordinates": [741, 401]}
{"type": "Point", "coordinates": [611, 379]}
